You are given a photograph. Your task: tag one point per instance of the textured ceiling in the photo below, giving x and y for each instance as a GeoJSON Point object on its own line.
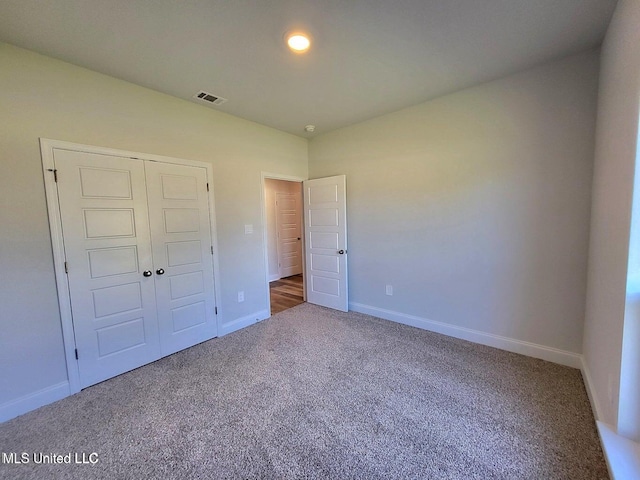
{"type": "Point", "coordinates": [368, 57]}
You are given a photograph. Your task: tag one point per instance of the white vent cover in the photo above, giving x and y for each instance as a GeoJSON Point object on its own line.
{"type": "Point", "coordinates": [209, 98]}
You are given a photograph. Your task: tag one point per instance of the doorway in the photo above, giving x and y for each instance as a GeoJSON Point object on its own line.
{"type": "Point", "coordinates": [286, 293]}
{"type": "Point", "coordinates": [284, 242]}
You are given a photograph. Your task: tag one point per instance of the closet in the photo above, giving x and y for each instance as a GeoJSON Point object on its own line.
{"type": "Point", "coordinates": [138, 257]}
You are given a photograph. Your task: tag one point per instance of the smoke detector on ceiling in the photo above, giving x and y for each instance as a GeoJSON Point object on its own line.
{"type": "Point", "coordinates": [209, 98]}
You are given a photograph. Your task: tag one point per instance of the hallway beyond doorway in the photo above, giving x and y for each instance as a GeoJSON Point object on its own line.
{"type": "Point", "coordinates": [286, 293]}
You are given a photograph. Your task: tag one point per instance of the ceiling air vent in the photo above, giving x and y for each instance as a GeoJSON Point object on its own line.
{"type": "Point", "coordinates": [210, 98]}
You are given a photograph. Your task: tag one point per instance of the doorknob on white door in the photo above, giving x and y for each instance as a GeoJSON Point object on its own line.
{"type": "Point", "coordinates": [160, 271]}
{"type": "Point", "coordinates": [341, 252]}
{"type": "Point", "coordinates": [147, 273]}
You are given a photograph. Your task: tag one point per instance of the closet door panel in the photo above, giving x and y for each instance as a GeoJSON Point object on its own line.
{"type": "Point", "coordinates": [181, 242]}
{"type": "Point", "coordinates": [103, 208]}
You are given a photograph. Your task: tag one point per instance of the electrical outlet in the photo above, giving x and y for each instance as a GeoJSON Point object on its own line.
{"type": "Point", "coordinates": [248, 229]}
{"type": "Point", "coordinates": [389, 290]}
{"type": "Point", "coordinates": [240, 297]}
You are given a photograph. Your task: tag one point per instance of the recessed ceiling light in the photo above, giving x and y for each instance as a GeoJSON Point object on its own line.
{"type": "Point", "coordinates": [309, 128]}
{"type": "Point", "coordinates": [298, 42]}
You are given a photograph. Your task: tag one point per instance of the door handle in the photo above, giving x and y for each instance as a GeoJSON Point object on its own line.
{"type": "Point", "coordinates": [147, 273]}
{"type": "Point", "coordinates": [160, 271]}
{"type": "Point", "coordinates": [342, 252]}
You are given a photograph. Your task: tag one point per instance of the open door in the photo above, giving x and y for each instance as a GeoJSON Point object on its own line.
{"type": "Point", "coordinates": [325, 218]}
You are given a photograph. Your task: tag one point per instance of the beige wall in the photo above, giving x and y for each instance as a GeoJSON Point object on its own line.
{"type": "Point", "coordinates": [42, 97]}
{"type": "Point", "coordinates": [475, 206]}
{"type": "Point", "coordinates": [615, 157]}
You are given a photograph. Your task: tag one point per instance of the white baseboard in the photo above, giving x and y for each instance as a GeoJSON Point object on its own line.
{"type": "Point", "coordinates": [273, 278]}
{"type": "Point", "coordinates": [242, 322]}
{"type": "Point", "coordinates": [34, 400]}
{"type": "Point", "coordinates": [591, 393]}
{"type": "Point", "coordinates": [535, 350]}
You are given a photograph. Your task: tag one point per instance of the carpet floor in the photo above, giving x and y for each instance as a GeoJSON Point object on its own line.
{"type": "Point", "coordinates": [315, 393]}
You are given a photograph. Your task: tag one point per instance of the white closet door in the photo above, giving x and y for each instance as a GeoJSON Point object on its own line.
{"type": "Point", "coordinates": [181, 238]}
{"type": "Point", "coordinates": [103, 207]}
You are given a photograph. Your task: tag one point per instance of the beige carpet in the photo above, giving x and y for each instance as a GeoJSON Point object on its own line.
{"type": "Point", "coordinates": [314, 393]}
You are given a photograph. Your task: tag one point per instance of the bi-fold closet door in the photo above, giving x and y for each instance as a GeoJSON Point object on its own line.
{"type": "Point", "coordinates": [138, 250]}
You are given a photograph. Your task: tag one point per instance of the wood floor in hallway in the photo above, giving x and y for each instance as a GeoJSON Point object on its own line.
{"type": "Point", "coordinates": [286, 293]}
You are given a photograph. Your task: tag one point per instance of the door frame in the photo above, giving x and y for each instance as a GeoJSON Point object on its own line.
{"type": "Point", "coordinates": [47, 147]}
{"type": "Point", "coordinates": [263, 204]}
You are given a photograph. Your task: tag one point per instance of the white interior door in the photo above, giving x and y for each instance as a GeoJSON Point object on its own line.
{"type": "Point", "coordinates": [288, 228]}
{"type": "Point", "coordinates": [138, 252]}
{"type": "Point", "coordinates": [325, 217]}
{"type": "Point", "coordinates": [103, 207]}
{"type": "Point", "coordinates": [182, 254]}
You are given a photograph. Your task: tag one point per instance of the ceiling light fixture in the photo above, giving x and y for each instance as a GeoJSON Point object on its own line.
{"type": "Point", "coordinates": [309, 128]}
{"type": "Point", "coordinates": [298, 42]}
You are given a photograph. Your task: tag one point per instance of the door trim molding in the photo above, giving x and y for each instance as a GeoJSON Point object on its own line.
{"type": "Point", "coordinates": [57, 243]}
{"type": "Point", "coordinates": [47, 147]}
{"type": "Point", "coordinates": [263, 207]}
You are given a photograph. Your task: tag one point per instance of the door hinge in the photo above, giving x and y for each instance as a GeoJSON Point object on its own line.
{"type": "Point", "coordinates": [207, 186]}
{"type": "Point", "coordinates": [66, 267]}
{"type": "Point", "coordinates": [55, 174]}
{"type": "Point", "coordinates": [216, 310]}
{"type": "Point", "coordinates": [211, 249]}
{"type": "Point", "coordinates": [76, 354]}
